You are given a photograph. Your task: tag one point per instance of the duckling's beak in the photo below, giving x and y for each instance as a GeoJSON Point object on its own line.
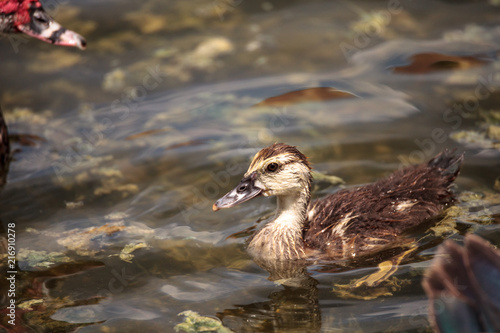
{"type": "Point", "coordinates": [245, 191]}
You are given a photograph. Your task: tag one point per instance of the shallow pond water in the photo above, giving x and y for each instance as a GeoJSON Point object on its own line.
{"type": "Point", "coordinates": [121, 150]}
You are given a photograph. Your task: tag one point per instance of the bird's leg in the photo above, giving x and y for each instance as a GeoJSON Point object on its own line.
{"type": "Point", "coordinates": [385, 271]}
{"type": "Point", "coordinates": [376, 284]}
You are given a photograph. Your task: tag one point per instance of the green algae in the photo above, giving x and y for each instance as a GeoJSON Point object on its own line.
{"type": "Point", "coordinates": [194, 323]}
{"type": "Point", "coordinates": [126, 253]}
{"type": "Point", "coordinates": [41, 259]}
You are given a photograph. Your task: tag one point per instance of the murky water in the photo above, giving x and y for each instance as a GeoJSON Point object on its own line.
{"type": "Point", "coordinates": [121, 150]}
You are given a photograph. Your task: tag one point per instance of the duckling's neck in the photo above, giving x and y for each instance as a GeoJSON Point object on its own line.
{"type": "Point", "coordinates": [281, 239]}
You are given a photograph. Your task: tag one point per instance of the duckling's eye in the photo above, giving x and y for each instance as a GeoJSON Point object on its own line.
{"type": "Point", "coordinates": [272, 167]}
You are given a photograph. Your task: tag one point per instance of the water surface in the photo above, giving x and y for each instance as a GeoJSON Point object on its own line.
{"type": "Point", "coordinates": [121, 150]}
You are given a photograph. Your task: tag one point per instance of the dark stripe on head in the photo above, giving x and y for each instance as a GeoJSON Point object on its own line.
{"type": "Point", "coordinates": [278, 149]}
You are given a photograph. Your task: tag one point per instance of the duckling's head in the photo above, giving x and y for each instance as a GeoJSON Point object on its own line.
{"type": "Point", "coordinates": [279, 169]}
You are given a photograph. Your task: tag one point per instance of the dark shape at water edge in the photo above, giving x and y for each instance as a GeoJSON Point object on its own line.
{"type": "Point", "coordinates": [4, 150]}
{"type": "Point", "coordinates": [463, 286]}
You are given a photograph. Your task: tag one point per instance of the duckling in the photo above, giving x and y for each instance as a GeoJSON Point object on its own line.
{"type": "Point", "coordinates": [347, 224]}
{"type": "Point", "coordinates": [29, 17]}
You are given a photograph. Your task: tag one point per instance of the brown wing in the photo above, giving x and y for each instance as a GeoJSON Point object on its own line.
{"type": "Point", "coordinates": [462, 286]}
{"type": "Point", "coordinates": [354, 221]}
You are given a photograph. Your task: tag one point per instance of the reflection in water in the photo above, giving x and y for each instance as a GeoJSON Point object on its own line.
{"type": "Point", "coordinates": [295, 308]}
